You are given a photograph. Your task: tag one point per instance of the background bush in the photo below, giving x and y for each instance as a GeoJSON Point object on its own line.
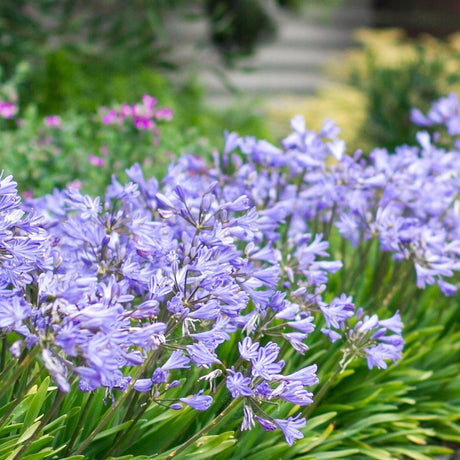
{"type": "Point", "coordinates": [377, 84]}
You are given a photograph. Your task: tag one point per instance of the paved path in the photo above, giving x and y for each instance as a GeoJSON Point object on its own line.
{"type": "Point", "coordinates": [291, 64]}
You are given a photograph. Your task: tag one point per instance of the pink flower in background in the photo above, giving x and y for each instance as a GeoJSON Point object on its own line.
{"type": "Point", "coordinates": [95, 161]}
{"type": "Point", "coordinates": [142, 111]}
{"type": "Point", "coordinates": [164, 114]}
{"type": "Point", "coordinates": [104, 150]}
{"type": "Point", "coordinates": [110, 117]}
{"type": "Point", "coordinates": [28, 194]}
{"type": "Point", "coordinates": [126, 111]}
{"type": "Point", "coordinates": [8, 109]}
{"type": "Point", "coordinates": [142, 115]}
{"type": "Point", "coordinates": [149, 101]}
{"type": "Point", "coordinates": [75, 184]}
{"type": "Point", "coordinates": [53, 121]}
{"type": "Point", "coordinates": [143, 123]}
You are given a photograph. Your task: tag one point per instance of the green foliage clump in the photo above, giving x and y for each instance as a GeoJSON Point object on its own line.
{"type": "Point", "coordinates": [377, 84]}
{"type": "Point", "coordinates": [396, 74]}
{"type": "Point", "coordinates": [42, 158]}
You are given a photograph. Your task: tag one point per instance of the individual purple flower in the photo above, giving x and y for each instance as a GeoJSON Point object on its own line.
{"type": "Point", "coordinates": [164, 113]}
{"type": "Point", "coordinates": [248, 422]}
{"type": "Point", "coordinates": [305, 325]}
{"type": "Point", "coordinates": [237, 384]}
{"type": "Point", "coordinates": [148, 101]}
{"type": "Point", "coordinates": [368, 323]}
{"type": "Point", "coordinates": [394, 340]}
{"type": "Point", "coordinates": [336, 149]}
{"type": "Point", "coordinates": [176, 406]}
{"type": "Point", "coordinates": [198, 402]}
{"type": "Point", "coordinates": [263, 365]}
{"type": "Point", "coordinates": [377, 355]}
{"type": "Point", "coordinates": [338, 311]}
{"type": "Point", "coordinates": [176, 305]}
{"type": "Point", "coordinates": [212, 338]}
{"type": "Point", "coordinates": [394, 324]}
{"type": "Point", "coordinates": [267, 425]}
{"type": "Point", "coordinates": [295, 339]}
{"type": "Point", "coordinates": [143, 385]}
{"type": "Point", "coordinates": [293, 392]}
{"type": "Point", "coordinates": [448, 289]}
{"type": "Point", "coordinates": [248, 350]}
{"type": "Point", "coordinates": [306, 376]}
{"type": "Point", "coordinates": [418, 118]}
{"type": "Point", "coordinates": [57, 369]}
{"type": "Point", "coordinates": [13, 312]}
{"type": "Point", "coordinates": [290, 428]}
{"type": "Point", "coordinates": [332, 335]}
{"type": "Point", "coordinates": [176, 361]}
{"type": "Point", "coordinates": [110, 117]}
{"type": "Point", "coordinates": [289, 312]}
{"type": "Point", "coordinates": [201, 355]}
{"type": "Point", "coordinates": [159, 376]}
{"type": "Point", "coordinates": [16, 348]}
{"type": "Point", "coordinates": [95, 160]}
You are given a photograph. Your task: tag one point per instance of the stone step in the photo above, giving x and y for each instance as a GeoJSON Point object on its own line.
{"type": "Point", "coordinates": [262, 83]}
{"type": "Point", "coordinates": [291, 32]}
{"type": "Point", "coordinates": [278, 55]}
{"type": "Point", "coordinates": [292, 63]}
{"type": "Point", "coordinates": [345, 16]}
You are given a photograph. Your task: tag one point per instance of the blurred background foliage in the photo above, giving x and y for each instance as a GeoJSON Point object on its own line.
{"type": "Point", "coordinates": [377, 84]}
{"type": "Point", "coordinates": [82, 54]}
{"type": "Point", "coordinates": [71, 56]}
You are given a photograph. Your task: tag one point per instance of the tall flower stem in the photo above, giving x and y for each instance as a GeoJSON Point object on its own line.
{"type": "Point", "coordinates": [299, 183]}
{"type": "Point", "coordinates": [360, 264]}
{"type": "Point", "coordinates": [131, 406]}
{"type": "Point", "coordinates": [204, 430]}
{"type": "Point", "coordinates": [126, 432]}
{"type": "Point", "coordinates": [321, 393]}
{"type": "Point", "coordinates": [330, 223]}
{"type": "Point", "coordinates": [341, 366]}
{"type": "Point", "coordinates": [80, 422]}
{"type": "Point", "coordinates": [3, 353]}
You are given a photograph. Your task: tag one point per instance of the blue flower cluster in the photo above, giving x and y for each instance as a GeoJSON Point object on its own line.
{"type": "Point", "coordinates": [157, 276]}
{"type": "Point", "coordinates": [22, 252]}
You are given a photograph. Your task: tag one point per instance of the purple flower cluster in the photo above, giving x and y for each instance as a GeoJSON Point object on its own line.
{"type": "Point", "coordinates": [264, 382]}
{"type": "Point", "coordinates": [446, 112]}
{"type": "Point", "coordinates": [143, 116]}
{"type": "Point", "coordinates": [407, 199]}
{"type": "Point", "coordinates": [23, 251]}
{"type": "Point", "coordinates": [157, 276]}
{"type": "Point", "coordinates": [367, 337]}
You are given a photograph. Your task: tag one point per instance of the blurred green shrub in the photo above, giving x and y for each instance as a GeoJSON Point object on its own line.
{"type": "Point", "coordinates": [378, 84]}
{"type": "Point", "coordinates": [397, 74]}
{"type": "Point", "coordinates": [82, 54]}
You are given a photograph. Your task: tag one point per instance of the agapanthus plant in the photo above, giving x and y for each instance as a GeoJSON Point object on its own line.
{"type": "Point", "coordinates": [173, 294]}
